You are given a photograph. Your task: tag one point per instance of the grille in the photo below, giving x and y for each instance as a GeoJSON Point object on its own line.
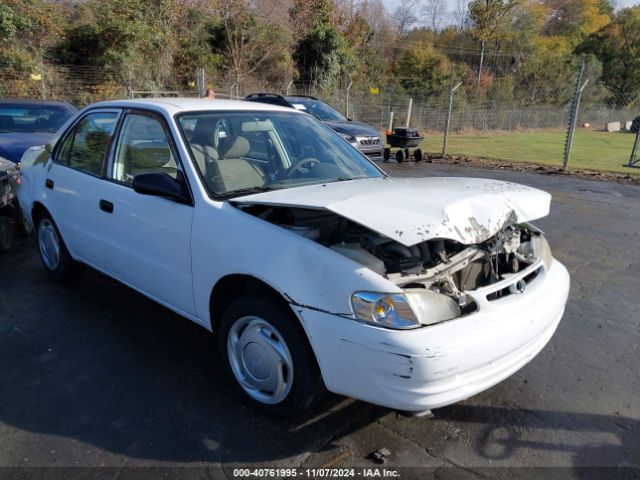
{"type": "Point", "coordinates": [369, 140]}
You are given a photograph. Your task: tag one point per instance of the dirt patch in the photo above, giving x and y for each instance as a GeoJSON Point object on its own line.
{"type": "Point", "coordinates": [632, 178]}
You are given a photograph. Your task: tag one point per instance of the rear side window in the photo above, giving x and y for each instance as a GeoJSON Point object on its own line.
{"type": "Point", "coordinates": [86, 147]}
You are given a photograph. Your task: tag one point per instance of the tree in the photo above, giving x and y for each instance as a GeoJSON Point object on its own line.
{"type": "Point", "coordinates": [422, 71]}
{"type": "Point", "coordinates": [250, 41]}
{"type": "Point", "coordinates": [460, 14]}
{"type": "Point", "coordinates": [434, 11]}
{"type": "Point", "coordinates": [577, 19]}
{"type": "Point", "coordinates": [489, 19]}
{"type": "Point", "coordinates": [617, 46]}
{"type": "Point", "coordinates": [405, 16]}
{"type": "Point", "coordinates": [320, 55]}
{"type": "Point", "coordinates": [28, 28]}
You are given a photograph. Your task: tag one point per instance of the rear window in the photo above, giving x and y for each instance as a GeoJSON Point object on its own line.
{"type": "Point", "coordinates": [32, 118]}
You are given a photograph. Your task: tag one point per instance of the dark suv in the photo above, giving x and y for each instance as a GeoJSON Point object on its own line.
{"type": "Point", "coordinates": [363, 137]}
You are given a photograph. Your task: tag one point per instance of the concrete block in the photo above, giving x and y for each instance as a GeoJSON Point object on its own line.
{"type": "Point", "coordinates": [614, 127]}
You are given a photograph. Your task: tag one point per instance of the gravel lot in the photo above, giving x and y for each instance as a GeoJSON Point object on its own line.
{"type": "Point", "coordinates": [94, 374]}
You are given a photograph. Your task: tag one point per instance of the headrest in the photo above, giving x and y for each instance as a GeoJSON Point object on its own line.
{"type": "Point", "coordinates": [239, 148]}
{"type": "Point", "coordinates": [203, 132]}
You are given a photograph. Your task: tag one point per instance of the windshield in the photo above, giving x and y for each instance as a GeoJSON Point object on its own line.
{"type": "Point", "coordinates": [320, 110]}
{"type": "Point", "coordinates": [238, 153]}
{"type": "Point", "coordinates": [32, 118]}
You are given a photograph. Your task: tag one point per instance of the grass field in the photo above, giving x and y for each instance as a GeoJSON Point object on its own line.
{"type": "Point", "coordinates": [591, 150]}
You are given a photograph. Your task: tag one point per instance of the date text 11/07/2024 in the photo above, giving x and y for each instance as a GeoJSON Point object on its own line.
{"type": "Point", "coordinates": [315, 472]}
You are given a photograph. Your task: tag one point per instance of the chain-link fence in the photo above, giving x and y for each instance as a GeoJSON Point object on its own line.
{"type": "Point", "coordinates": [502, 121]}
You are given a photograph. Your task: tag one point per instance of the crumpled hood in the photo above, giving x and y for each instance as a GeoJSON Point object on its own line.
{"type": "Point", "coordinates": [13, 145]}
{"type": "Point", "coordinates": [353, 128]}
{"type": "Point", "coordinates": [412, 210]}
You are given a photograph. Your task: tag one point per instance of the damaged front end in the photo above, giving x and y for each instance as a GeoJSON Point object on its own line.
{"type": "Point", "coordinates": [438, 278]}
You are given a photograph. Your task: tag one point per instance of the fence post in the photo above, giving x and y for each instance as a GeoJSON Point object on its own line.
{"type": "Point", "coordinates": [347, 98]}
{"type": "Point", "coordinates": [573, 117]}
{"type": "Point", "coordinates": [200, 82]}
{"type": "Point", "coordinates": [447, 122]}
{"type": "Point", "coordinates": [409, 112]}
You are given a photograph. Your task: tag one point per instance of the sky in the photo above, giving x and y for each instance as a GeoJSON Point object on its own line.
{"type": "Point", "coordinates": [392, 4]}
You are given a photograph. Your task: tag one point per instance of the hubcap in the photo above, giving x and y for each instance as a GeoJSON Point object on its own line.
{"type": "Point", "coordinates": [49, 244]}
{"type": "Point", "coordinates": [260, 360]}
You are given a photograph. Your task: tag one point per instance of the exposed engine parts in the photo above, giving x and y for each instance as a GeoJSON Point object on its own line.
{"type": "Point", "coordinates": [443, 266]}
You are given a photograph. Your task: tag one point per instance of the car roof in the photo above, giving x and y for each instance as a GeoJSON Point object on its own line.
{"type": "Point", "coordinates": [173, 105]}
{"type": "Point", "coordinates": [29, 101]}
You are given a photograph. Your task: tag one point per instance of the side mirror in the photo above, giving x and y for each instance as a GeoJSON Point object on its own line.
{"type": "Point", "coordinates": [349, 119]}
{"type": "Point", "coordinates": [162, 185]}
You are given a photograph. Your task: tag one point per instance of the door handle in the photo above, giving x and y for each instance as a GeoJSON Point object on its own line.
{"type": "Point", "coordinates": [48, 183]}
{"type": "Point", "coordinates": [106, 206]}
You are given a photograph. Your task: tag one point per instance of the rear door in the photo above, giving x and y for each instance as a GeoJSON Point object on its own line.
{"type": "Point", "coordinates": [146, 240]}
{"type": "Point", "coordinates": [74, 179]}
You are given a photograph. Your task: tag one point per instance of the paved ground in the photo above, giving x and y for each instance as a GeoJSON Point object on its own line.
{"type": "Point", "coordinates": [95, 374]}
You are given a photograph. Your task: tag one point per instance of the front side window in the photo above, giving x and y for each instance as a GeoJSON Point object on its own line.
{"type": "Point", "coordinates": [143, 147]}
{"type": "Point", "coordinates": [86, 147]}
{"type": "Point", "coordinates": [239, 152]}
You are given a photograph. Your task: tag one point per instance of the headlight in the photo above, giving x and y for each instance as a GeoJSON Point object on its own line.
{"type": "Point", "coordinates": [542, 250]}
{"type": "Point", "coordinates": [390, 310]}
{"type": "Point", "coordinates": [347, 137]}
{"type": "Point", "coordinates": [537, 246]}
{"type": "Point", "coordinates": [403, 311]}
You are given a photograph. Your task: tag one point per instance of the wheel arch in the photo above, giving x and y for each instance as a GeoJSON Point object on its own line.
{"type": "Point", "coordinates": [37, 210]}
{"type": "Point", "coordinates": [233, 286]}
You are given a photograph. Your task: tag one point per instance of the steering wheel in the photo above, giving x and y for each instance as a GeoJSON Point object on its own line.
{"type": "Point", "coordinates": [300, 165]}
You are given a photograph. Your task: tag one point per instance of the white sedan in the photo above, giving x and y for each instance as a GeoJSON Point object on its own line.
{"type": "Point", "coordinates": [313, 267]}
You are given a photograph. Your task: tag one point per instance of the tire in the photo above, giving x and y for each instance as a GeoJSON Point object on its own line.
{"type": "Point", "coordinates": [386, 154]}
{"type": "Point", "coordinates": [53, 252]}
{"type": "Point", "coordinates": [263, 345]}
{"type": "Point", "coordinates": [407, 155]}
{"type": "Point", "coordinates": [417, 154]}
{"type": "Point", "coordinates": [400, 156]}
{"type": "Point", "coordinates": [6, 234]}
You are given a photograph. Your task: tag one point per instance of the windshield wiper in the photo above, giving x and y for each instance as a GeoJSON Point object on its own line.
{"type": "Point", "coordinates": [339, 179]}
{"type": "Point", "coordinates": [246, 191]}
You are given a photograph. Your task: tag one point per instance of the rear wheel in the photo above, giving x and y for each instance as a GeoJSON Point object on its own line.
{"type": "Point", "coordinates": [268, 357]}
{"type": "Point", "coordinates": [386, 154]}
{"type": "Point", "coordinates": [53, 252]}
{"type": "Point", "coordinates": [400, 156]}
{"type": "Point", "coordinates": [417, 154]}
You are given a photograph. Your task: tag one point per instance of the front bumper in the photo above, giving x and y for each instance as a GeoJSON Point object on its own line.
{"type": "Point", "coordinates": [434, 366]}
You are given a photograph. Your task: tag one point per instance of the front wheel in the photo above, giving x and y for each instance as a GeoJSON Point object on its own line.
{"type": "Point", "coordinates": [53, 252]}
{"type": "Point", "coordinates": [267, 355]}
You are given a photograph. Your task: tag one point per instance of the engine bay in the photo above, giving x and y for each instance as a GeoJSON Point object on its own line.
{"type": "Point", "coordinates": [440, 265]}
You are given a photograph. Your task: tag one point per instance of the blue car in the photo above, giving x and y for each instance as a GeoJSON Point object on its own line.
{"type": "Point", "coordinates": [27, 123]}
